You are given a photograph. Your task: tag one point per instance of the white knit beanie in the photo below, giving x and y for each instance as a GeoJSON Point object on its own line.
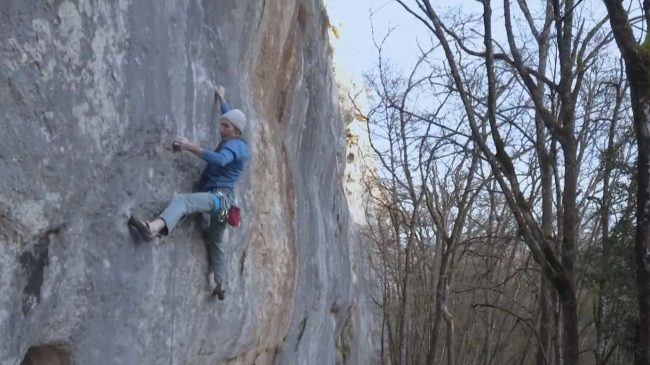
{"type": "Point", "coordinates": [236, 118]}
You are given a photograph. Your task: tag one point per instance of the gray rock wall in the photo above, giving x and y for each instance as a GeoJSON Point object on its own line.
{"type": "Point", "coordinates": [92, 94]}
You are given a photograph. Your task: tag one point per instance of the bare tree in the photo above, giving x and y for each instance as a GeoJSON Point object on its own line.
{"type": "Point", "coordinates": [502, 191]}
{"type": "Point", "coordinates": [576, 49]}
{"type": "Point", "coordinates": [426, 194]}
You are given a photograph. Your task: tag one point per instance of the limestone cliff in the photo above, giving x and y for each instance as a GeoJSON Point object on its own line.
{"type": "Point", "coordinates": [92, 94]}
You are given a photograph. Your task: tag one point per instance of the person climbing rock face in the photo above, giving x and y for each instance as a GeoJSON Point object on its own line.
{"type": "Point", "coordinates": [224, 166]}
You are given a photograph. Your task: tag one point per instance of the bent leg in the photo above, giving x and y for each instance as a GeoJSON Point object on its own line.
{"type": "Point", "coordinates": [184, 204]}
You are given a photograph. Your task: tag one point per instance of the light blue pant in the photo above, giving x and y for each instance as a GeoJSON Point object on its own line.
{"type": "Point", "coordinates": [185, 204]}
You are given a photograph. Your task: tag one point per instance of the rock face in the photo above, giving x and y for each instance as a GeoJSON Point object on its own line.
{"type": "Point", "coordinates": [92, 94]}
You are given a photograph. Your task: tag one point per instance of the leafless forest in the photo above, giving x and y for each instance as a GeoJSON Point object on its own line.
{"type": "Point", "coordinates": [511, 197]}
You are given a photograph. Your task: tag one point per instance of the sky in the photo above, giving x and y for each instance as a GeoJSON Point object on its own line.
{"type": "Point", "coordinates": [355, 53]}
{"type": "Point", "coordinates": [356, 21]}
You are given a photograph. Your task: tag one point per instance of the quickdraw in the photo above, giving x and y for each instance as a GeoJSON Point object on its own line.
{"type": "Point", "coordinates": [228, 211]}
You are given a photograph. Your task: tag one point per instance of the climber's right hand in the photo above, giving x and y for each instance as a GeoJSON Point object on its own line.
{"type": "Point", "coordinates": [181, 143]}
{"type": "Point", "coordinates": [220, 92]}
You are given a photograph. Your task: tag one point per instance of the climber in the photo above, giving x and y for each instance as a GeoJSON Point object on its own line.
{"type": "Point", "coordinates": [224, 166]}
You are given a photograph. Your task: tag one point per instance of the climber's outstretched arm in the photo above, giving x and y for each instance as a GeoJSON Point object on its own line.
{"type": "Point", "coordinates": [184, 144]}
{"type": "Point", "coordinates": [220, 159]}
{"type": "Point", "coordinates": [220, 94]}
{"type": "Point", "coordinates": [223, 106]}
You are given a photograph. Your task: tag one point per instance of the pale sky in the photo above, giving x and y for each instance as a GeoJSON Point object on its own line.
{"type": "Point", "coordinates": [355, 53]}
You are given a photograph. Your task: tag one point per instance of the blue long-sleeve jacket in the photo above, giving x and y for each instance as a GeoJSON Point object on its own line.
{"type": "Point", "coordinates": [225, 163]}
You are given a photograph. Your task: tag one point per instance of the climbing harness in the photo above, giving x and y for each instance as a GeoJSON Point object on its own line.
{"type": "Point", "coordinates": [220, 204]}
{"type": "Point", "coordinates": [228, 210]}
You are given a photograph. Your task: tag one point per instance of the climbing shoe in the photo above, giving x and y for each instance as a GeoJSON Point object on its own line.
{"type": "Point", "coordinates": [219, 292]}
{"type": "Point", "coordinates": [142, 227]}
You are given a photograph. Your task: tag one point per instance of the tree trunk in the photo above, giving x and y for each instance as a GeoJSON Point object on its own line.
{"type": "Point", "coordinates": [567, 289]}
{"type": "Point", "coordinates": [641, 110]}
{"type": "Point", "coordinates": [449, 320]}
{"type": "Point", "coordinates": [404, 307]}
{"type": "Point", "coordinates": [637, 68]}
{"type": "Point", "coordinates": [602, 309]}
{"type": "Point", "coordinates": [570, 344]}
{"type": "Point", "coordinates": [543, 356]}
{"type": "Point", "coordinates": [440, 287]}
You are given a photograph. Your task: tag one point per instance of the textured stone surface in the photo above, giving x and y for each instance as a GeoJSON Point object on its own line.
{"type": "Point", "coordinates": [91, 95]}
